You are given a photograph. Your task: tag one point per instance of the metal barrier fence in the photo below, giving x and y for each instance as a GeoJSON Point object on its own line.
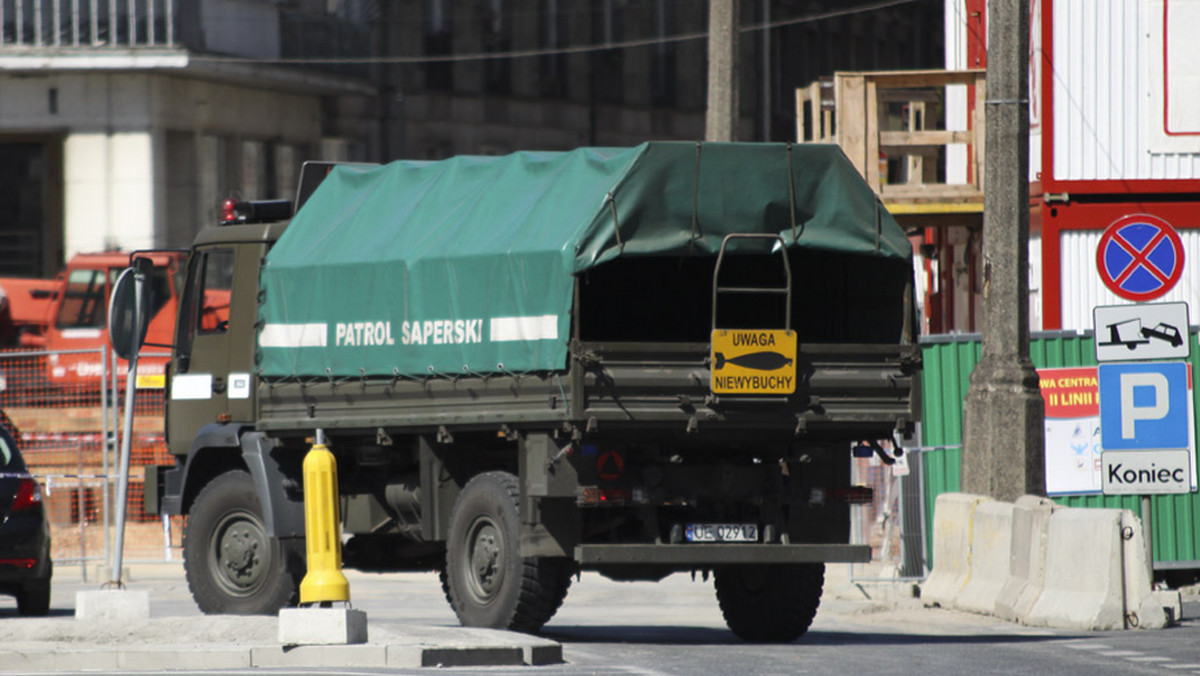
{"type": "Point", "coordinates": [63, 408]}
{"type": "Point", "coordinates": [892, 522]}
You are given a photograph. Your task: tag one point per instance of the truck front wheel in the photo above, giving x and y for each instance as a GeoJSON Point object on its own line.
{"type": "Point", "coordinates": [769, 604]}
{"type": "Point", "coordinates": [486, 580]}
{"type": "Point", "coordinates": [232, 565]}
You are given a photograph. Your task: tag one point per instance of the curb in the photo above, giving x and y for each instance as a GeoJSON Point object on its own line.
{"type": "Point", "coordinates": [25, 659]}
{"type": "Point", "coordinates": [39, 645]}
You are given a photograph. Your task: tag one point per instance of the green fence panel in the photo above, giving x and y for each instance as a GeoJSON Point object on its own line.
{"type": "Point", "coordinates": [949, 360]}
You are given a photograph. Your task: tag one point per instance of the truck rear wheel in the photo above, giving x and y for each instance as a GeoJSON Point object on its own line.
{"type": "Point", "coordinates": [232, 565]}
{"type": "Point", "coordinates": [769, 604]}
{"type": "Point", "coordinates": [486, 580]}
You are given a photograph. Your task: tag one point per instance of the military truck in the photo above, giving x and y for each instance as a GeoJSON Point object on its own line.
{"type": "Point", "coordinates": [635, 361]}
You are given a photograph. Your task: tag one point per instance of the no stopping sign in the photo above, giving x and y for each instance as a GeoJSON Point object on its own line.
{"type": "Point", "coordinates": [1140, 257]}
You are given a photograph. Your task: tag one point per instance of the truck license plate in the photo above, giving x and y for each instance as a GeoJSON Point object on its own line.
{"type": "Point", "coordinates": [722, 532]}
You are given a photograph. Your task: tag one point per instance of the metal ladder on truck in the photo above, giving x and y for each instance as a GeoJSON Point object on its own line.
{"type": "Point", "coordinates": [770, 369]}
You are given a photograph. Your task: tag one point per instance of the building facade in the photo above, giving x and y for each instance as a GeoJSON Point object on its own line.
{"type": "Point", "coordinates": [557, 74]}
{"type": "Point", "coordinates": [124, 123]}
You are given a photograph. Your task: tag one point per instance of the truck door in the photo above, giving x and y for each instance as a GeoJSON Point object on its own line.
{"type": "Point", "coordinates": [211, 378]}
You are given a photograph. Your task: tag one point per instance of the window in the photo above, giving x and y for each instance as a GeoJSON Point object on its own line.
{"type": "Point", "coordinates": [159, 284]}
{"type": "Point", "coordinates": [217, 283]}
{"type": "Point", "coordinates": [205, 305]}
{"type": "Point", "coordinates": [439, 40]}
{"type": "Point", "coordinates": [608, 65]}
{"type": "Point", "coordinates": [83, 302]}
{"type": "Point", "coordinates": [663, 78]}
{"type": "Point", "coordinates": [10, 461]}
{"type": "Point", "coordinates": [552, 68]}
{"type": "Point", "coordinates": [497, 73]}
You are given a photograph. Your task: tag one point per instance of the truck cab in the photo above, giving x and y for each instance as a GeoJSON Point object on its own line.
{"type": "Point", "coordinates": [212, 374]}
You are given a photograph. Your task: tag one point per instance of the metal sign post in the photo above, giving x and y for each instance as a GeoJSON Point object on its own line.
{"type": "Point", "coordinates": [128, 332]}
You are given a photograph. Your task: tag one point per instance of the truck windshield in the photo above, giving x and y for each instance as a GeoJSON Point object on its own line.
{"type": "Point", "coordinates": [85, 300]}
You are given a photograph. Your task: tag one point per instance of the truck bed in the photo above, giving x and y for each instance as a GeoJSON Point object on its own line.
{"type": "Point", "coordinates": [842, 389]}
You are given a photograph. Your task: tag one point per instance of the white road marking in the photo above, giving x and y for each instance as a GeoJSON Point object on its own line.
{"type": "Point", "coordinates": [1087, 646]}
{"type": "Point", "coordinates": [1121, 653]}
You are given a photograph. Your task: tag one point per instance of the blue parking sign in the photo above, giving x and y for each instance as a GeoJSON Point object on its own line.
{"type": "Point", "coordinates": [1144, 406]}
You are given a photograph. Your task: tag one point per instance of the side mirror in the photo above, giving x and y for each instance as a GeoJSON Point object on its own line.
{"type": "Point", "coordinates": [127, 322]}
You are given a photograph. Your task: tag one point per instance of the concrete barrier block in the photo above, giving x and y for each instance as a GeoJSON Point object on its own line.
{"type": "Point", "coordinates": [1027, 565]}
{"type": "Point", "coordinates": [1171, 601]}
{"type": "Point", "coordinates": [322, 626]}
{"type": "Point", "coordinates": [1143, 610]}
{"type": "Point", "coordinates": [991, 552]}
{"type": "Point", "coordinates": [112, 605]}
{"type": "Point", "coordinates": [953, 514]}
{"type": "Point", "coordinates": [1084, 572]}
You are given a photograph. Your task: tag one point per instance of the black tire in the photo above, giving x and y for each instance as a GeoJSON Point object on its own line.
{"type": "Point", "coordinates": [486, 580]}
{"type": "Point", "coordinates": [232, 565]}
{"type": "Point", "coordinates": [769, 604]}
{"type": "Point", "coordinates": [34, 599]}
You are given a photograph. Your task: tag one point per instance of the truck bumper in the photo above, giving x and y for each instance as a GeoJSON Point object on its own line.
{"type": "Point", "coordinates": [719, 554]}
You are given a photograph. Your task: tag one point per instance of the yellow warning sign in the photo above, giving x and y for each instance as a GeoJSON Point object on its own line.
{"type": "Point", "coordinates": [753, 361]}
{"type": "Point", "coordinates": [151, 381]}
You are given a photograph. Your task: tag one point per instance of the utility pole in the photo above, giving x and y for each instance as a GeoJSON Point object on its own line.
{"type": "Point", "coordinates": [720, 123]}
{"type": "Point", "coordinates": [1003, 421]}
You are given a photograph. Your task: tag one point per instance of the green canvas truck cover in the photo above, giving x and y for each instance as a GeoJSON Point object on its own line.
{"type": "Point", "coordinates": [465, 266]}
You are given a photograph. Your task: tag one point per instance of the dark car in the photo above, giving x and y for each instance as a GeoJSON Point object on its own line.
{"type": "Point", "coordinates": [25, 565]}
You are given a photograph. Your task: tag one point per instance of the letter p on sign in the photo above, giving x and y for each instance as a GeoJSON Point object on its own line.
{"type": "Point", "coordinates": [1156, 408]}
{"type": "Point", "coordinates": [1144, 406]}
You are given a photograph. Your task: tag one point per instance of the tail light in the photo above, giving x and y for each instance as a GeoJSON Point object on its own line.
{"type": "Point", "coordinates": [29, 494]}
{"type": "Point", "coordinates": [594, 496]}
{"type": "Point", "coordinates": [25, 563]}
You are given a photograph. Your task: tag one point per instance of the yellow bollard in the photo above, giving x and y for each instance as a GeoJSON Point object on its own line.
{"type": "Point", "coordinates": [324, 581]}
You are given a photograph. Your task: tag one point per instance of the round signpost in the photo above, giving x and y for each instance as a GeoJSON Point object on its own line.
{"type": "Point", "coordinates": [1140, 257]}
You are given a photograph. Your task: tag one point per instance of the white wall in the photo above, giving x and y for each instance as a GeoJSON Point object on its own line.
{"type": "Point", "coordinates": [116, 178]}
{"type": "Point", "coordinates": [108, 191]}
{"type": "Point", "coordinates": [1110, 78]}
{"type": "Point", "coordinates": [956, 95]}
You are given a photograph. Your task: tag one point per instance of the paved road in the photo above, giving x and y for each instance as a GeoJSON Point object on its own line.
{"type": "Point", "coordinates": [674, 627]}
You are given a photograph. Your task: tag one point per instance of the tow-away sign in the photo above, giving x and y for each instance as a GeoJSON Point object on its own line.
{"type": "Point", "coordinates": [1141, 332]}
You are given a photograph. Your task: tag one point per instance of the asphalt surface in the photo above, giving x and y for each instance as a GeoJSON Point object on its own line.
{"type": "Point", "coordinates": [409, 624]}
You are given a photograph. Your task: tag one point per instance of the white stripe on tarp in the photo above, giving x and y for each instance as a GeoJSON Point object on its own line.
{"type": "Point", "coordinates": [504, 329]}
{"type": "Point", "coordinates": [293, 335]}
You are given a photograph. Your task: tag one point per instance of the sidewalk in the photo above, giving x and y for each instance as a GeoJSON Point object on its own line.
{"type": "Point", "coordinates": [178, 636]}
{"type": "Point", "coordinates": [409, 623]}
